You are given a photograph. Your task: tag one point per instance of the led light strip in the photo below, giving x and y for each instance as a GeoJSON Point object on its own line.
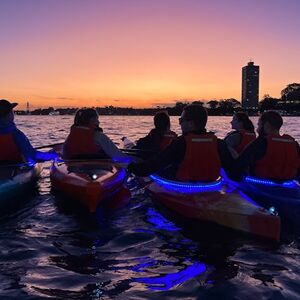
{"type": "Point", "coordinates": [288, 183]}
{"type": "Point", "coordinates": [214, 186]}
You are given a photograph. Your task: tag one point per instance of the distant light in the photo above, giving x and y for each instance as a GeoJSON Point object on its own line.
{"type": "Point", "coordinates": [94, 176]}
{"type": "Point", "coordinates": [273, 211]}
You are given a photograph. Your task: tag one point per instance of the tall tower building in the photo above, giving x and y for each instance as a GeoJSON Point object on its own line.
{"type": "Point", "coordinates": [250, 86]}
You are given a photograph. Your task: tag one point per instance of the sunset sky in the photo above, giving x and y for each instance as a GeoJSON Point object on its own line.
{"type": "Point", "coordinates": [70, 53]}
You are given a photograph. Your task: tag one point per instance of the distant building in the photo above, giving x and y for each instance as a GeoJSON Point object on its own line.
{"type": "Point", "coordinates": [250, 86]}
{"type": "Point", "coordinates": [27, 109]}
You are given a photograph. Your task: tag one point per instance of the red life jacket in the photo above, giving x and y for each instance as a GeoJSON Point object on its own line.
{"type": "Point", "coordinates": [167, 139]}
{"type": "Point", "coordinates": [80, 143]}
{"type": "Point", "coordinates": [201, 160]}
{"type": "Point", "coordinates": [9, 152]}
{"type": "Point", "coordinates": [246, 138]}
{"type": "Point", "coordinates": [281, 160]}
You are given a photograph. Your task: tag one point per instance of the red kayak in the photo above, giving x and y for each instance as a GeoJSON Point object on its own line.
{"type": "Point", "coordinates": [90, 182]}
{"type": "Point", "coordinates": [215, 202]}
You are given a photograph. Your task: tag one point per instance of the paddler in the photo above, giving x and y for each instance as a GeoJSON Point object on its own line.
{"type": "Point", "coordinates": [160, 136]}
{"type": "Point", "coordinates": [196, 155]}
{"type": "Point", "coordinates": [14, 145]}
{"type": "Point", "coordinates": [242, 135]}
{"type": "Point", "coordinates": [87, 140]}
{"type": "Point", "coordinates": [271, 155]}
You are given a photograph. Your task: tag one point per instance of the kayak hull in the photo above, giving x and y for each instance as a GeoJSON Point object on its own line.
{"type": "Point", "coordinates": [15, 180]}
{"type": "Point", "coordinates": [90, 182]}
{"type": "Point", "coordinates": [224, 207]}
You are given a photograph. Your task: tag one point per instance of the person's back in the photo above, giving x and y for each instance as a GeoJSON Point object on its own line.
{"type": "Point", "coordinates": [271, 155]}
{"type": "Point", "coordinates": [87, 140]}
{"type": "Point", "coordinates": [197, 155]}
{"type": "Point", "coordinates": [201, 161]}
{"type": "Point", "coordinates": [242, 135]}
{"type": "Point", "coordinates": [14, 145]}
{"type": "Point", "coordinates": [160, 136]}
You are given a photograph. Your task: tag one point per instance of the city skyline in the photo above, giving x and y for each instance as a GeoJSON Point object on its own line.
{"type": "Point", "coordinates": [141, 53]}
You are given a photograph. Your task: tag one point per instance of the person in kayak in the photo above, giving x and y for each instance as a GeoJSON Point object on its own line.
{"type": "Point", "coordinates": [242, 135]}
{"type": "Point", "coordinates": [271, 155]}
{"type": "Point", "coordinates": [196, 155]}
{"type": "Point", "coordinates": [87, 140]}
{"type": "Point", "coordinates": [15, 146]}
{"type": "Point", "coordinates": [160, 136]}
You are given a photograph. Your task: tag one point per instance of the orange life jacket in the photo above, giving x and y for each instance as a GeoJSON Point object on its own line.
{"type": "Point", "coordinates": [9, 151]}
{"type": "Point", "coordinates": [80, 143]}
{"type": "Point", "coordinates": [167, 139]}
{"type": "Point", "coordinates": [246, 138]}
{"type": "Point", "coordinates": [281, 160]}
{"type": "Point", "coordinates": [201, 160]}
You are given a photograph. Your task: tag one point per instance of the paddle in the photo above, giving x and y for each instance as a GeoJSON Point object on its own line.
{"type": "Point", "coordinates": [25, 164]}
{"type": "Point", "coordinates": [49, 146]}
{"type": "Point", "coordinates": [104, 161]}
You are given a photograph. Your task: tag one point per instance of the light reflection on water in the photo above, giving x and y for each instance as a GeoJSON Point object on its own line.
{"type": "Point", "coordinates": [141, 251]}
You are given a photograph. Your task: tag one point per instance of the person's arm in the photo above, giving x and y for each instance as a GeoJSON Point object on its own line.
{"type": "Point", "coordinates": [172, 155]}
{"type": "Point", "coordinates": [233, 140]}
{"type": "Point", "coordinates": [225, 155]}
{"type": "Point", "coordinates": [253, 152]}
{"type": "Point", "coordinates": [110, 148]}
{"type": "Point", "coordinates": [149, 142]}
{"type": "Point", "coordinates": [29, 153]}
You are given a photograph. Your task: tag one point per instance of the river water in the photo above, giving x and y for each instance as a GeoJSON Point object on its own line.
{"type": "Point", "coordinates": [49, 251]}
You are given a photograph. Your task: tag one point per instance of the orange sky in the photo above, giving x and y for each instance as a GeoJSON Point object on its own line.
{"type": "Point", "coordinates": [143, 53]}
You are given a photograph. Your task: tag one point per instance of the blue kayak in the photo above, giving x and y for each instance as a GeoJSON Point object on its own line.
{"type": "Point", "coordinates": [283, 197]}
{"type": "Point", "coordinates": [15, 180]}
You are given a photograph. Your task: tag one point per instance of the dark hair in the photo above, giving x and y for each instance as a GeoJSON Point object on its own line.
{"type": "Point", "coordinates": [196, 113]}
{"type": "Point", "coordinates": [162, 120]}
{"type": "Point", "coordinates": [83, 116]}
{"type": "Point", "coordinates": [273, 118]}
{"type": "Point", "coordinates": [244, 119]}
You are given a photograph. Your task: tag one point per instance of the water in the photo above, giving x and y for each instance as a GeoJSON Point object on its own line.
{"type": "Point", "coordinates": [48, 250]}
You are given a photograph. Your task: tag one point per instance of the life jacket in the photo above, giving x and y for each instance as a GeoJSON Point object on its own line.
{"type": "Point", "coordinates": [80, 144]}
{"type": "Point", "coordinates": [201, 160]}
{"type": "Point", "coordinates": [9, 152]}
{"type": "Point", "coordinates": [167, 139]}
{"type": "Point", "coordinates": [281, 161]}
{"type": "Point", "coordinates": [246, 138]}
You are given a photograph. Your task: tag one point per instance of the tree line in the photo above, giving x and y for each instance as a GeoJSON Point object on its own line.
{"type": "Point", "coordinates": [289, 102]}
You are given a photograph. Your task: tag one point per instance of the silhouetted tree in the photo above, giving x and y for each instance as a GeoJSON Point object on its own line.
{"type": "Point", "coordinates": [291, 92]}
{"type": "Point", "coordinates": [268, 103]}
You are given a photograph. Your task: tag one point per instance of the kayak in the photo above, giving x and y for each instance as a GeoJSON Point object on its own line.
{"type": "Point", "coordinates": [283, 197]}
{"type": "Point", "coordinates": [90, 182]}
{"type": "Point", "coordinates": [15, 180]}
{"type": "Point", "coordinates": [218, 203]}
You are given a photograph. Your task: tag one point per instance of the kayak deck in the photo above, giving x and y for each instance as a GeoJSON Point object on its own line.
{"type": "Point", "coordinates": [90, 182]}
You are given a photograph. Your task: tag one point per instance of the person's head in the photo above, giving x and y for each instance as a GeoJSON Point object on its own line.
{"type": "Point", "coordinates": [193, 117]}
{"type": "Point", "coordinates": [162, 121]}
{"type": "Point", "coordinates": [269, 122]}
{"type": "Point", "coordinates": [241, 121]}
{"type": "Point", "coordinates": [6, 110]}
{"type": "Point", "coordinates": [86, 117]}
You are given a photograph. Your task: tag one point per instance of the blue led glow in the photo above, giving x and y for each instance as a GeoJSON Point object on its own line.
{"type": "Point", "coordinates": [166, 282]}
{"type": "Point", "coordinates": [266, 182]}
{"type": "Point", "coordinates": [188, 187]}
